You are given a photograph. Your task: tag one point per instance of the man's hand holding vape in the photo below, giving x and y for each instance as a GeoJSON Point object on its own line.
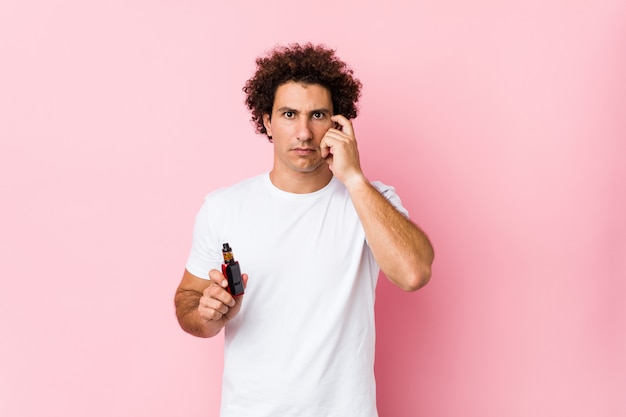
{"type": "Point", "coordinates": [217, 305]}
{"type": "Point", "coordinates": [204, 306]}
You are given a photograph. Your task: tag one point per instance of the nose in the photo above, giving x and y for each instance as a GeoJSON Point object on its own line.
{"type": "Point", "coordinates": [304, 131]}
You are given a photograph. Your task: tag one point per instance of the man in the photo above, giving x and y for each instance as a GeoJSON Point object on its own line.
{"type": "Point", "coordinates": [311, 235]}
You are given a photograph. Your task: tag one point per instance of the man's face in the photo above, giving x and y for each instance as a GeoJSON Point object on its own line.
{"type": "Point", "coordinates": [299, 120]}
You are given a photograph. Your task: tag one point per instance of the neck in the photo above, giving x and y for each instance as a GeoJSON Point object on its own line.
{"type": "Point", "coordinates": [301, 182]}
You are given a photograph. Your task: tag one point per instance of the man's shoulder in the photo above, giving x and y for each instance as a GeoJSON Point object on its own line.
{"type": "Point", "coordinates": [241, 188]}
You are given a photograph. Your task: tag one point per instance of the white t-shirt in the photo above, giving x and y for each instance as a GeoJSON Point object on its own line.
{"type": "Point", "coordinates": [302, 344]}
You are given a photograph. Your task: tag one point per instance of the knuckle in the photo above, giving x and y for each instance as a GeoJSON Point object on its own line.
{"type": "Point", "coordinates": [209, 313]}
{"type": "Point", "coordinates": [213, 291]}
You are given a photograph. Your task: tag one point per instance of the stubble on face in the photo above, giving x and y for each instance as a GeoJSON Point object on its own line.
{"type": "Point", "coordinates": [300, 118]}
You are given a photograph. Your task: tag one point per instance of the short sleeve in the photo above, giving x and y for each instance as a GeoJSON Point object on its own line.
{"type": "Point", "coordinates": [203, 257]}
{"type": "Point", "coordinates": [390, 194]}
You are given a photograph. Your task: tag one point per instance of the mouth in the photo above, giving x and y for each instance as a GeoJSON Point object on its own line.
{"type": "Point", "coordinates": [304, 151]}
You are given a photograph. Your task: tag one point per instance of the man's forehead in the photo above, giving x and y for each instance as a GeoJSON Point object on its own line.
{"type": "Point", "coordinates": [297, 94]}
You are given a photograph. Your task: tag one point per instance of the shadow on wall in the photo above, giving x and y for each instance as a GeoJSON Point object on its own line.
{"type": "Point", "coordinates": [403, 324]}
{"type": "Point", "coordinates": [407, 324]}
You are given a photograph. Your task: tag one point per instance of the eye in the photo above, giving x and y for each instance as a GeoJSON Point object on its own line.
{"type": "Point", "coordinates": [318, 115]}
{"type": "Point", "coordinates": [289, 114]}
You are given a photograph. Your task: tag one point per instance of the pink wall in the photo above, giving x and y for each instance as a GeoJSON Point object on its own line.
{"type": "Point", "coordinates": [501, 125]}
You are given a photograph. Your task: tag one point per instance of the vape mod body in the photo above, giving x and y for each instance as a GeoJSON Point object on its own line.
{"type": "Point", "coordinates": [230, 269]}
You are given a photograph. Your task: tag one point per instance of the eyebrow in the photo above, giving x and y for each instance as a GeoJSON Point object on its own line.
{"type": "Point", "coordinates": [286, 109]}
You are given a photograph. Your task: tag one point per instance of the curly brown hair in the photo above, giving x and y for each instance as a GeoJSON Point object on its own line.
{"type": "Point", "coordinates": [308, 64]}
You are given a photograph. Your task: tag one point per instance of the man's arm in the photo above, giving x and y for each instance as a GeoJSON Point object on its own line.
{"type": "Point", "coordinates": [203, 307]}
{"type": "Point", "coordinates": [401, 249]}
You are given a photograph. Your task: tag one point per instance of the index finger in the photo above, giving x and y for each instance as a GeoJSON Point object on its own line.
{"type": "Point", "coordinates": [218, 278]}
{"type": "Point", "coordinates": [346, 125]}
{"type": "Point", "coordinates": [217, 292]}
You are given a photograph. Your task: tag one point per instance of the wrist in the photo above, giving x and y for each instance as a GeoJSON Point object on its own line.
{"type": "Point", "coordinates": [356, 182]}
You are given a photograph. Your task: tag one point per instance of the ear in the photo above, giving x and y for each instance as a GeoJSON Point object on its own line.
{"type": "Point", "coordinates": [267, 122]}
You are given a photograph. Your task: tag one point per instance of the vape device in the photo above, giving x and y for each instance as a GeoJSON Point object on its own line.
{"type": "Point", "coordinates": [230, 269]}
